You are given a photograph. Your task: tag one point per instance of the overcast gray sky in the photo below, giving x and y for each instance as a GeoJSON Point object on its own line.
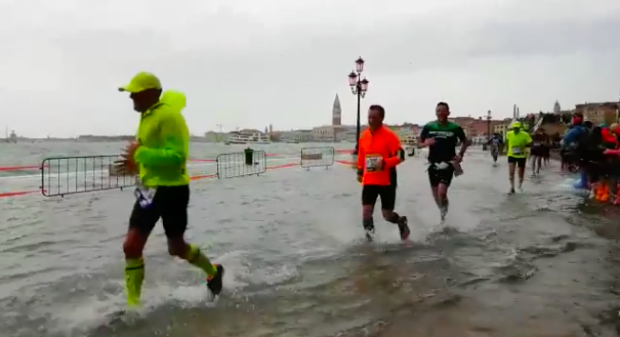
{"type": "Point", "coordinates": [248, 63]}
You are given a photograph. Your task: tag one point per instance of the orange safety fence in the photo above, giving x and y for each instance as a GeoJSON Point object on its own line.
{"type": "Point", "coordinates": [20, 168]}
{"type": "Point", "coordinates": [198, 177]}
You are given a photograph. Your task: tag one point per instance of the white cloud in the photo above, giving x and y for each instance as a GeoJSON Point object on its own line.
{"type": "Point", "coordinates": [249, 63]}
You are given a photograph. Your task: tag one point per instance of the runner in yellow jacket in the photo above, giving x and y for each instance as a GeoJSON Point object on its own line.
{"type": "Point", "coordinates": [159, 156]}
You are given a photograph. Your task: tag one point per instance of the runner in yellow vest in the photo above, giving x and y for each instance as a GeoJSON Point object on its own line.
{"type": "Point", "coordinates": [159, 156]}
{"type": "Point", "coordinates": [517, 142]}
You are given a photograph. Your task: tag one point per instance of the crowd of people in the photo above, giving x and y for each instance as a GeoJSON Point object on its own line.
{"type": "Point", "coordinates": [594, 151]}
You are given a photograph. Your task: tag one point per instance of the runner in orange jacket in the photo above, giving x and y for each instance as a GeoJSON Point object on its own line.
{"type": "Point", "coordinates": [378, 154]}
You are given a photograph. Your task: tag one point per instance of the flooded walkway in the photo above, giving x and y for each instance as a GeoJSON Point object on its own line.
{"type": "Point", "coordinates": [535, 264]}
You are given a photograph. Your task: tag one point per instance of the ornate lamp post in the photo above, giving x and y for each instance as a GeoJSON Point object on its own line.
{"type": "Point", "coordinates": [359, 87]}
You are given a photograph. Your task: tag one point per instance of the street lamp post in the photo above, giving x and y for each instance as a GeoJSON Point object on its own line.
{"type": "Point", "coordinates": [359, 87]}
{"type": "Point", "coordinates": [489, 124]}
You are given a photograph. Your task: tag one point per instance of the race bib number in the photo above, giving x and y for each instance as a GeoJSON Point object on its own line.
{"type": "Point", "coordinates": [145, 196]}
{"type": "Point", "coordinates": [516, 150]}
{"type": "Point", "coordinates": [371, 161]}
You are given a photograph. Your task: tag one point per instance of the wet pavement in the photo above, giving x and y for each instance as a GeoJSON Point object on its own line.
{"type": "Point", "coordinates": [541, 263]}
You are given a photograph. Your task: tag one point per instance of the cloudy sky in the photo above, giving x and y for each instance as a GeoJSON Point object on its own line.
{"type": "Point", "coordinates": [248, 63]}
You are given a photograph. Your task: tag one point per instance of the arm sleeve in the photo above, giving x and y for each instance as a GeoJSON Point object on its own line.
{"type": "Point", "coordinates": [571, 136]}
{"type": "Point", "coordinates": [397, 154]}
{"type": "Point", "coordinates": [607, 136]}
{"type": "Point", "coordinates": [460, 134]}
{"type": "Point", "coordinates": [423, 134]}
{"type": "Point", "coordinates": [360, 157]}
{"type": "Point", "coordinates": [174, 151]}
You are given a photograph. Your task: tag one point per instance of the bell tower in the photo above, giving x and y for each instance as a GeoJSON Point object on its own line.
{"type": "Point", "coordinates": [336, 112]}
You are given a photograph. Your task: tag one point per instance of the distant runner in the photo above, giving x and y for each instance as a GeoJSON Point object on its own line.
{"type": "Point", "coordinates": [378, 154]}
{"type": "Point", "coordinates": [442, 137]}
{"type": "Point", "coordinates": [159, 155]}
{"type": "Point", "coordinates": [539, 141]}
{"type": "Point", "coordinates": [517, 142]}
{"type": "Point", "coordinates": [496, 143]}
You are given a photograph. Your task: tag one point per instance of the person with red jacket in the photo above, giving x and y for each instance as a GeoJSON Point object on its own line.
{"type": "Point", "coordinates": [378, 155]}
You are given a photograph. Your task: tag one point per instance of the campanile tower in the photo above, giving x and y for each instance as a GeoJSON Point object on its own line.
{"type": "Point", "coordinates": [336, 112]}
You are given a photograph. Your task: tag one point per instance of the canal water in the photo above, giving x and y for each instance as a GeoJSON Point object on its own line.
{"type": "Point", "coordinates": [541, 263]}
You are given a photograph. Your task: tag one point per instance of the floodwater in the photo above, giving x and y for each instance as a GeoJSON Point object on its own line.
{"type": "Point", "coordinates": [541, 263]}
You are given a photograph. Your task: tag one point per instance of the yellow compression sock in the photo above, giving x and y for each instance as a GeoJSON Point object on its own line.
{"type": "Point", "coordinates": [134, 276]}
{"type": "Point", "coordinates": [198, 259]}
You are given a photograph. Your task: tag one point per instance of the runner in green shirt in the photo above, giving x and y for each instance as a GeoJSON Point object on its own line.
{"type": "Point", "coordinates": [517, 142]}
{"type": "Point", "coordinates": [159, 157]}
{"type": "Point", "coordinates": [441, 137]}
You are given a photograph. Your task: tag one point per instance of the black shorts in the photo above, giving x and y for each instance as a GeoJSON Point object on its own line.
{"type": "Point", "coordinates": [387, 194]}
{"type": "Point", "coordinates": [169, 204]}
{"type": "Point", "coordinates": [538, 151]}
{"type": "Point", "coordinates": [437, 176]}
{"type": "Point", "coordinates": [520, 162]}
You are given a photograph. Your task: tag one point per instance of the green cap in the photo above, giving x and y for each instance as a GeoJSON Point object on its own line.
{"type": "Point", "coordinates": [142, 81]}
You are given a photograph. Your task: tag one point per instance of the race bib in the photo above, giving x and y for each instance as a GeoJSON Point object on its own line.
{"type": "Point", "coordinates": [516, 150]}
{"type": "Point", "coordinates": [371, 161]}
{"type": "Point", "coordinates": [145, 196]}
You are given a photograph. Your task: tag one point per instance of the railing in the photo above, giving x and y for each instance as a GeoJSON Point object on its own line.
{"type": "Point", "coordinates": [239, 164]}
{"type": "Point", "coordinates": [62, 176]}
{"type": "Point", "coordinates": [317, 157]}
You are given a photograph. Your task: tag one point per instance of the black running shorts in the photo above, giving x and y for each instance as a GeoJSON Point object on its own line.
{"type": "Point", "coordinates": [437, 176]}
{"type": "Point", "coordinates": [520, 162]}
{"type": "Point", "coordinates": [538, 151]}
{"type": "Point", "coordinates": [169, 204]}
{"type": "Point", "coordinates": [387, 194]}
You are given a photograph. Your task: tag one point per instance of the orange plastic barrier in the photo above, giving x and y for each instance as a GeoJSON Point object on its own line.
{"type": "Point", "coordinates": [16, 194]}
{"type": "Point", "coordinates": [20, 193]}
{"type": "Point", "coordinates": [18, 168]}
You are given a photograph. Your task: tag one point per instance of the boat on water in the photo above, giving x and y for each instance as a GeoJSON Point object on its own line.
{"type": "Point", "coordinates": [247, 138]}
{"type": "Point", "coordinates": [10, 138]}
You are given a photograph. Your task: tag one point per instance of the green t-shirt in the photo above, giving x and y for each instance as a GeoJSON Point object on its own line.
{"type": "Point", "coordinates": [517, 143]}
{"type": "Point", "coordinates": [446, 137]}
{"type": "Point", "coordinates": [164, 142]}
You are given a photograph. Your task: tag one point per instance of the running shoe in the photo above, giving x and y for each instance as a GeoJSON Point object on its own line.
{"type": "Point", "coordinates": [443, 211]}
{"type": "Point", "coordinates": [403, 227]}
{"type": "Point", "coordinates": [370, 231]}
{"type": "Point", "coordinates": [214, 282]}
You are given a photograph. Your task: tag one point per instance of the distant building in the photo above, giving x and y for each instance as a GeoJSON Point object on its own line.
{"type": "Point", "coordinates": [336, 112]}
{"type": "Point", "coordinates": [476, 127]}
{"type": "Point", "coordinates": [557, 108]}
{"type": "Point", "coordinates": [299, 136]}
{"type": "Point", "coordinates": [595, 112]}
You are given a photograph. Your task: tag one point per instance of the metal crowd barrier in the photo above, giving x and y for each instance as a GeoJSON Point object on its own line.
{"type": "Point", "coordinates": [239, 164]}
{"type": "Point", "coordinates": [317, 157]}
{"type": "Point", "coordinates": [62, 176]}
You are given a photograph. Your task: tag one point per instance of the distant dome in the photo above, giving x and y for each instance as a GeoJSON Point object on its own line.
{"type": "Point", "coordinates": [556, 107]}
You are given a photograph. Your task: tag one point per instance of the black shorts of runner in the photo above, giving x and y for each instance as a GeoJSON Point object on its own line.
{"type": "Point", "coordinates": [387, 194]}
{"type": "Point", "coordinates": [169, 204]}
{"type": "Point", "coordinates": [538, 151]}
{"type": "Point", "coordinates": [520, 162]}
{"type": "Point", "coordinates": [437, 176]}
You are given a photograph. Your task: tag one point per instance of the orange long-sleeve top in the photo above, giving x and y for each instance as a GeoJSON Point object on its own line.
{"type": "Point", "coordinates": [384, 144]}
